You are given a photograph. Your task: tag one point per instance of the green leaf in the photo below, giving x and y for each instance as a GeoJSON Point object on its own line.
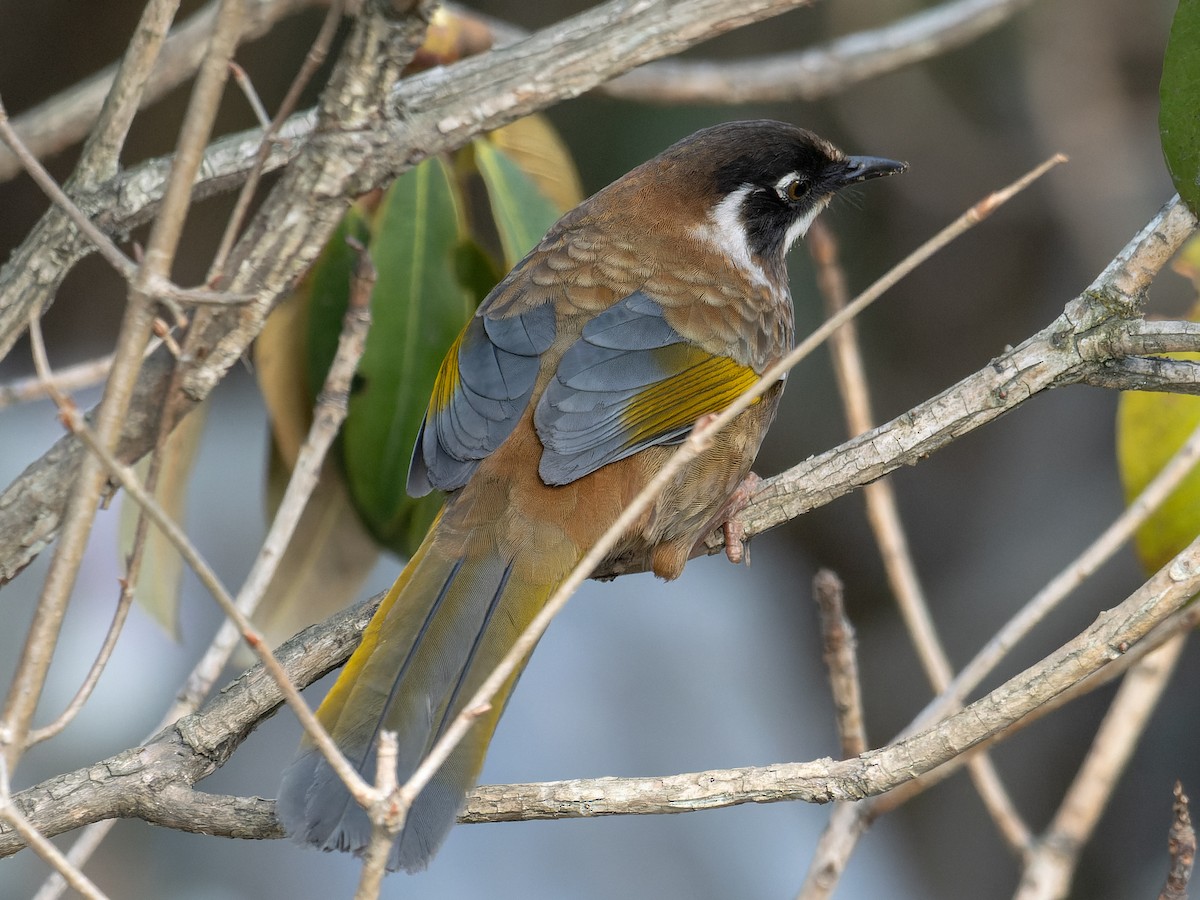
{"type": "Point", "coordinates": [476, 270]}
{"type": "Point", "coordinates": [418, 308]}
{"type": "Point", "coordinates": [1179, 98]}
{"type": "Point", "coordinates": [521, 211]}
{"type": "Point", "coordinates": [328, 288]}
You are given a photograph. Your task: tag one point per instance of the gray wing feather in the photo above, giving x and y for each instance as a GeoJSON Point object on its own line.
{"type": "Point", "coordinates": [498, 361]}
{"type": "Point", "coordinates": [579, 418]}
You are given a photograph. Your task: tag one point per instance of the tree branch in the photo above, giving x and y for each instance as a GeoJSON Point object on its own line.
{"type": "Point", "coordinates": [818, 71]}
{"type": "Point", "coordinates": [198, 744]}
{"type": "Point", "coordinates": [1096, 328]}
{"type": "Point", "coordinates": [67, 117]}
{"type": "Point", "coordinates": [129, 783]}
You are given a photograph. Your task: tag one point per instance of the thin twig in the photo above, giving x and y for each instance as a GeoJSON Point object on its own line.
{"type": "Point", "coordinates": [1181, 845]}
{"type": "Point", "coordinates": [247, 87]}
{"type": "Point", "coordinates": [841, 660]}
{"type": "Point", "coordinates": [68, 378]}
{"type": "Point", "coordinates": [101, 155]}
{"type": "Point", "coordinates": [1050, 867]}
{"type": "Point", "coordinates": [52, 387]}
{"type": "Point", "coordinates": [103, 243]}
{"type": "Point", "coordinates": [156, 283]}
{"type": "Point", "coordinates": [312, 61]}
{"type": "Point", "coordinates": [695, 444]}
{"type": "Point", "coordinates": [84, 692]}
{"type": "Point", "coordinates": [375, 857]}
{"type": "Point", "coordinates": [81, 851]}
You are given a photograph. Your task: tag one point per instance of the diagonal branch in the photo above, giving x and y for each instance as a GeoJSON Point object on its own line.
{"type": "Point", "coordinates": [818, 71]}
{"type": "Point", "coordinates": [1097, 327]}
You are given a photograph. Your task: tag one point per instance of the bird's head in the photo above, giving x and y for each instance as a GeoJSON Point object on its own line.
{"type": "Point", "coordinates": [751, 188]}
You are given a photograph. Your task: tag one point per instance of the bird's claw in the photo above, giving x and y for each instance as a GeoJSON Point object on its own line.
{"type": "Point", "coordinates": [737, 548]}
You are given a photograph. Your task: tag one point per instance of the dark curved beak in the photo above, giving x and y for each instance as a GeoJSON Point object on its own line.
{"type": "Point", "coordinates": [864, 168]}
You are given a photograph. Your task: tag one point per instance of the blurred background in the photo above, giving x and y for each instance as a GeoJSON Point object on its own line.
{"type": "Point", "coordinates": [721, 668]}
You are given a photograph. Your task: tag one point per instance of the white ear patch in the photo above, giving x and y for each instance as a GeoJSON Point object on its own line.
{"type": "Point", "coordinates": [798, 228]}
{"type": "Point", "coordinates": [725, 231]}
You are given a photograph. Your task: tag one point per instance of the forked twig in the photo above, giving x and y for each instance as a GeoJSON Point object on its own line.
{"type": "Point", "coordinates": [1050, 866]}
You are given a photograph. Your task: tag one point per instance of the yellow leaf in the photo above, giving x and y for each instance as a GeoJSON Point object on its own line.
{"type": "Point", "coordinates": [157, 587]}
{"type": "Point", "coordinates": [1151, 427]}
{"type": "Point", "coordinates": [280, 364]}
{"type": "Point", "coordinates": [534, 145]}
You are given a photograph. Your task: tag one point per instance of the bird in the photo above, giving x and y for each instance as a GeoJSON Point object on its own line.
{"type": "Point", "coordinates": [651, 305]}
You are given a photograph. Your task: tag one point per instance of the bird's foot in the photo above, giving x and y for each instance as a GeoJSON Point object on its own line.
{"type": "Point", "coordinates": [737, 549]}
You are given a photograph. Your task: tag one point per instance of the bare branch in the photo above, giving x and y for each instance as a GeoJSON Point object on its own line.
{"type": "Point", "coordinates": [841, 659]}
{"type": "Point", "coordinates": [67, 379]}
{"type": "Point", "coordinates": [1182, 846]}
{"type": "Point", "coordinates": [130, 784]}
{"type": "Point", "coordinates": [817, 72]}
{"type": "Point", "coordinates": [67, 117]}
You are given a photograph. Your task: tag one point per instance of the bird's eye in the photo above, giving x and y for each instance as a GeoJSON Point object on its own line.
{"type": "Point", "coordinates": [796, 188]}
